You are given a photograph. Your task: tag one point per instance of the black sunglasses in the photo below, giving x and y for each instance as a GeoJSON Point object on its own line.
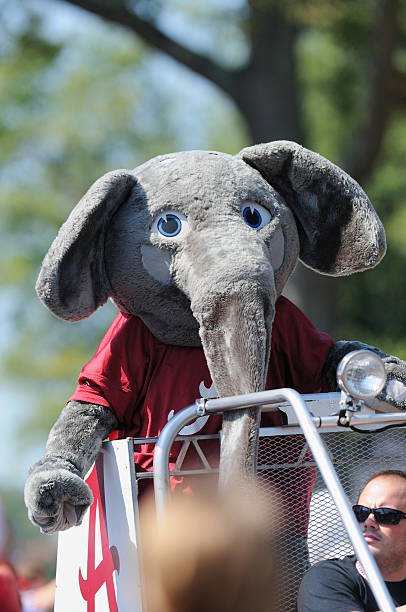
{"type": "Point", "coordinates": [383, 516]}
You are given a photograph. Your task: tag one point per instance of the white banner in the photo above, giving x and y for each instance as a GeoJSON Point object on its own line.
{"type": "Point", "coordinates": [98, 568]}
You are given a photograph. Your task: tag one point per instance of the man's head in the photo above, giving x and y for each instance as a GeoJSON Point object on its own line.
{"type": "Point", "coordinates": [387, 542]}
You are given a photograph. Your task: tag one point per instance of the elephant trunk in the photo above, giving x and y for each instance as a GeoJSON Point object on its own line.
{"type": "Point", "coordinates": [237, 350]}
{"type": "Point", "coordinates": [235, 311]}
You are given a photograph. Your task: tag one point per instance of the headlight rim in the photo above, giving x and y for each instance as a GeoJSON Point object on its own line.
{"type": "Point", "coordinates": [342, 374]}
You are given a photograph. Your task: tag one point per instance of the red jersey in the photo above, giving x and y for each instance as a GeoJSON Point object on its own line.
{"type": "Point", "coordinates": [144, 381]}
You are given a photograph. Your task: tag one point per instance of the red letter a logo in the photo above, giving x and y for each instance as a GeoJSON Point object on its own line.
{"type": "Point", "coordinates": [103, 573]}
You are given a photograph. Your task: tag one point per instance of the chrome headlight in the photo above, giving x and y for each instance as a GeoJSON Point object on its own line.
{"type": "Point", "coordinates": [361, 374]}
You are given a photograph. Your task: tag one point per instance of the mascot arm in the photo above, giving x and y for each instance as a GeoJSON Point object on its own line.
{"type": "Point", "coordinates": [393, 395]}
{"type": "Point", "coordinates": [55, 493]}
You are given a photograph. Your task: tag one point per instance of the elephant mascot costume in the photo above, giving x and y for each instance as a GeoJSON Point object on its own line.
{"type": "Point", "coordinates": [195, 249]}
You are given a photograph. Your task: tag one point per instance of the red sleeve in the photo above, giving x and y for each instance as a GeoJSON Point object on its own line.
{"type": "Point", "coordinates": [115, 374]}
{"type": "Point", "coordinates": [299, 350]}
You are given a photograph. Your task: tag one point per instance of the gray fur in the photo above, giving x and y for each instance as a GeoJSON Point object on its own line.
{"type": "Point", "coordinates": [55, 483]}
{"type": "Point", "coordinates": [51, 495]}
{"type": "Point", "coordinates": [339, 231]}
{"type": "Point", "coordinates": [213, 285]}
{"type": "Point", "coordinates": [393, 394]}
{"type": "Point", "coordinates": [106, 246]}
{"type": "Point", "coordinates": [72, 282]}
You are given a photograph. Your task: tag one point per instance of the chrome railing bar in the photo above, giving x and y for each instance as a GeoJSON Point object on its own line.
{"type": "Point", "coordinates": [212, 406]}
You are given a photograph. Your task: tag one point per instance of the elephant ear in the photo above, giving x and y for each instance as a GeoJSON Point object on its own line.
{"type": "Point", "coordinates": [339, 230]}
{"type": "Point", "coordinates": [72, 281]}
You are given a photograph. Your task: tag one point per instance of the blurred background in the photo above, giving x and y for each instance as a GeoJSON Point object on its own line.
{"type": "Point", "coordinates": [88, 86]}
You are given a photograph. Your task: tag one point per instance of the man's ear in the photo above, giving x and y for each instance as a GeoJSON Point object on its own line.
{"type": "Point", "coordinates": [72, 282]}
{"type": "Point", "coordinates": [339, 230]}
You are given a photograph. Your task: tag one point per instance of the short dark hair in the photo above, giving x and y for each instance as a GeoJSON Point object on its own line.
{"type": "Point", "coordinates": [400, 473]}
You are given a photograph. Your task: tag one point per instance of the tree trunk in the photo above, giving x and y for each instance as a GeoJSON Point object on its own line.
{"type": "Point", "coordinates": [268, 97]}
{"type": "Point", "coordinates": [267, 89]}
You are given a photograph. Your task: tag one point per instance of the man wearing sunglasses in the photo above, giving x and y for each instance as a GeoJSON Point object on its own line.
{"type": "Point", "coordinates": [340, 585]}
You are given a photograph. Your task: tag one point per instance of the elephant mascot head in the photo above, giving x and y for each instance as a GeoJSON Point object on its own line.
{"type": "Point", "coordinates": [200, 244]}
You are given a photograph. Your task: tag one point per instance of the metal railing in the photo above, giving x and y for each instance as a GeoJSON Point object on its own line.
{"type": "Point", "coordinates": [308, 425]}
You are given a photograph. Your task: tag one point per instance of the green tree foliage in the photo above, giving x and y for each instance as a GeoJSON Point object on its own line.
{"type": "Point", "coordinates": [333, 59]}
{"type": "Point", "coordinates": [373, 304]}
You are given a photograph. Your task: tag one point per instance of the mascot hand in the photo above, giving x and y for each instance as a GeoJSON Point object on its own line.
{"type": "Point", "coordinates": [393, 396]}
{"type": "Point", "coordinates": [56, 498]}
